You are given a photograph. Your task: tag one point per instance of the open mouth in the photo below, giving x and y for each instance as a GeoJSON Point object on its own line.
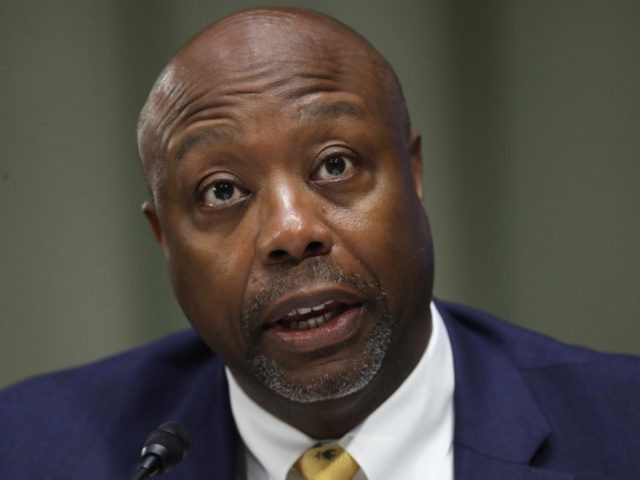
{"type": "Point", "coordinates": [307, 318]}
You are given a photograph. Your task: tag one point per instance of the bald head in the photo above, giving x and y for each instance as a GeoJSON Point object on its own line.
{"type": "Point", "coordinates": [260, 50]}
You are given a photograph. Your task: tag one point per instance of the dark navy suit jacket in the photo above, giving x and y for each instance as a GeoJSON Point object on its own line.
{"type": "Point", "coordinates": [526, 407]}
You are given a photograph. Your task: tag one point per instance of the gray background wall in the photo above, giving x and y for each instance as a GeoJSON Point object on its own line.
{"type": "Point", "coordinates": [530, 112]}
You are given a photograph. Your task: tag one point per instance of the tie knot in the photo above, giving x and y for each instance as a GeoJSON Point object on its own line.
{"type": "Point", "coordinates": [327, 462]}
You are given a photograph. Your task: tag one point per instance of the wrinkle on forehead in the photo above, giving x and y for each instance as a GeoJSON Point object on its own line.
{"type": "Point", "coordinates": [304, 114]}
{"type": "Point", "coordinates": [186, 102]}
{"type": "Point", "coordinates": [170, 93]}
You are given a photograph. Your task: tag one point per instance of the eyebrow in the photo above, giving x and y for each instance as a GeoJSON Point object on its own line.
{"type": "Point", "coordinates": [205, 136]}
{"type": "Point", "coordinates": [323, 111]}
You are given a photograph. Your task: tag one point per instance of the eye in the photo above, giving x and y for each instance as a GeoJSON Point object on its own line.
{"type": "Point", "coordinates": [219, 193]}
{"type": "Point", "coordinates": [333, 167]}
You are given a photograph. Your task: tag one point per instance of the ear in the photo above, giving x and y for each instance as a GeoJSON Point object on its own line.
{"type": "Point", "coordinates": [149, 210]}
{"type": "Point", "coordinates": [415, 149]}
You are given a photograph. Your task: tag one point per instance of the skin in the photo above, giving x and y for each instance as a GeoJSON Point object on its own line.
{"type": "Point", "coordinates": [238, 140]}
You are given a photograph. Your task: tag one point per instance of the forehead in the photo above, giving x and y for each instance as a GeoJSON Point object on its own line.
{"type": "Point", "coordinates": [278, 60]}
{"type": "Point", "coordinates": [282, 59]}
{"type": "Point", "coordinates": [276, 77]}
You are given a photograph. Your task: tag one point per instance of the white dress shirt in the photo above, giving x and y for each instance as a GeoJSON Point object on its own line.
{"type": "Point", "coordinates": [410, 436]}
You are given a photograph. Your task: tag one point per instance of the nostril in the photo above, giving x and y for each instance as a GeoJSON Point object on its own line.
{"type": "Point", "coordinates": [313, 247]}
{"type": "Point", "coordinates": [277, 255]}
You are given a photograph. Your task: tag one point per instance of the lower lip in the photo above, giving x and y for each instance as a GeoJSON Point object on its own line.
{"type": "Point", "coordinates": [338, 330]}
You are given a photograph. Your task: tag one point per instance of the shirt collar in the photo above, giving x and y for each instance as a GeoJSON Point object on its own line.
{"type": "Point", "coordinates": [414, 426]}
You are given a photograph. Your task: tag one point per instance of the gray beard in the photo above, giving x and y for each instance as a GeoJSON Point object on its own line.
{"type": "Point", "coordinates": [328, 387]}
{"type": "Point", "coordinates": [361, 370]}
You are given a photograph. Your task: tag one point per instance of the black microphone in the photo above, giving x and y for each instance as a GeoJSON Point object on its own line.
{"type": "Point", "coordinates": [165, 447]}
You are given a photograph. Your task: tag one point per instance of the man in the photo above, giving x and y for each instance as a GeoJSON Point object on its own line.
{"type": "Point", "coordinates": [286, 197]}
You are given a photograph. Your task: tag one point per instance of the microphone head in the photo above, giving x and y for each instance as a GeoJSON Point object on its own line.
{"type": "Point", "coordinates": [168, 444]}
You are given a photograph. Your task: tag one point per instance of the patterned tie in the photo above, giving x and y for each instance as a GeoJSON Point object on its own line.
{"type": "Point", "coordinates": [327, 462]}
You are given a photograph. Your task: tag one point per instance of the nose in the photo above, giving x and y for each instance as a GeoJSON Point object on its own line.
{"type": "Point", "coordinates": [292, 227]}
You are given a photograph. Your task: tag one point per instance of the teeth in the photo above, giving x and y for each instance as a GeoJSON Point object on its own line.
{"type": "Point", "coordinates": [307, 310]}
{"type": "Point", "coordinates": [310, 323]}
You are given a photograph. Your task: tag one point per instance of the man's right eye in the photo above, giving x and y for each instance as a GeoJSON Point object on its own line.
{"type": "Point", "coordinates": [220, 193]}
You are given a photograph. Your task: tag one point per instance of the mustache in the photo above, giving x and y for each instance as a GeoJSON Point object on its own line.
{"type": "Point", "coordinates": [314, 270]}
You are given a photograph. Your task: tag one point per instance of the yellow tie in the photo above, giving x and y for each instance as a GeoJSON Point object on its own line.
{"type": "Point", "coordinates": [327, 462]}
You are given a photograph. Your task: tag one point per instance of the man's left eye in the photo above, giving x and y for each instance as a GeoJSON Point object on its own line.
{"type": "Point", "coordinates": [333, 167]}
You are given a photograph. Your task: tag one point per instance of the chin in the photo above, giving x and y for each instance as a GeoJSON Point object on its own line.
{"type": "Point", "coordinates": [349, 377]}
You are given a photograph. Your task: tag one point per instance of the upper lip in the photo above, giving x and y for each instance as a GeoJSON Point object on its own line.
{"type": "Point", "coordinates": [289, 304]}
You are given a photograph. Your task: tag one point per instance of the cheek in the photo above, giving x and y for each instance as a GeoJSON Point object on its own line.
{"type": "Point", "coordinates": [388, 234]}
{"type": "Point", "coordinates": [209, 279]}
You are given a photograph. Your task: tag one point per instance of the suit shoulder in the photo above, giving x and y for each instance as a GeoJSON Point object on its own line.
{"type": "Point", "coordinates": [171, 352]}
{"type": "Point", "coordinates": [582, 403]}
{"type": "Point", "coordinates": [104, 410]}
{"type": "Point", "coordinates": [527, 348]}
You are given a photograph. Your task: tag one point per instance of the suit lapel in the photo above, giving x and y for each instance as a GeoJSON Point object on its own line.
{"type": "Point", "coordinates": [498, 425]}
{"type": "Point", "coordinates": [214, 437]}
{"type": "Point", "coordinates": [471, 465]}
